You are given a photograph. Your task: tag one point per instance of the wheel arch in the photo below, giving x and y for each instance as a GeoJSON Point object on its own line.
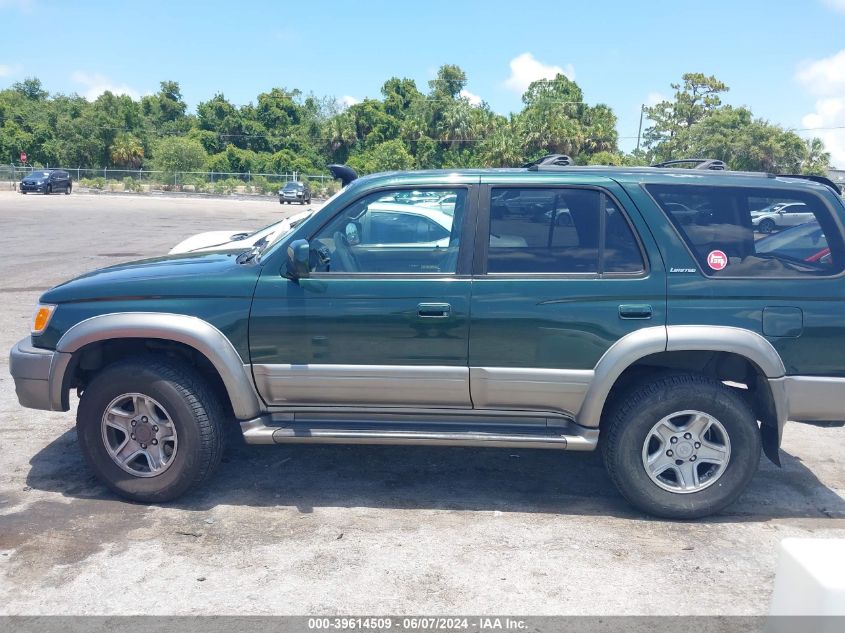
{"type": "Point", "coordinates": [182, 330]}
{"type": "Point", "coordinates": [727, 353]}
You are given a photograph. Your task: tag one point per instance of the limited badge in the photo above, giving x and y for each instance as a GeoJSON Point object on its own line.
{"type": "Point", "coordinates": [717, 260]}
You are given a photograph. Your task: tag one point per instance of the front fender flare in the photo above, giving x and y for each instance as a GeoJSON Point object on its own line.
{"type": "Point", "coordinates": [188, 330]}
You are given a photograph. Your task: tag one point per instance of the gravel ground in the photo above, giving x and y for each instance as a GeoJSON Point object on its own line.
{"type": "Point", "coordinates": [334, 529]}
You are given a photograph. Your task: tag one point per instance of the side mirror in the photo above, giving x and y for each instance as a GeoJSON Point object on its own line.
{"type": "Point", "coordinates": [299, 259]}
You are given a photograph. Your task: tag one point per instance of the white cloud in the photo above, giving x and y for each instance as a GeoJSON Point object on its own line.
{"type": "Point", "coordinates": [473, 99]}
{"type": "Point", "coordinates": [829, 113]}
{"type": "Point", "coordinates": [836, 5]}
{"type": "Point", "coordinates": [526, 68]}
{"type": "Point", "coordinates": [347, 101]}
{"type": "Point", "coordinates": [824, 76]}
{"type": "Point", "coordinates": [25, 6]}
{"type": "Point", "coordinates": [96, 84]}
{"type": "Point", "coordinates": [653, 98]}
{"type": "Point", "coordinates": [9, 69]}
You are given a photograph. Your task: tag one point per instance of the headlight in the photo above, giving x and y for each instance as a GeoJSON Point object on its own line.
{"type": "Point", "coordinates": [43, 313]}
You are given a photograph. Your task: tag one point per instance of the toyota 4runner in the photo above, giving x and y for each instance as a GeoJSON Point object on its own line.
{"type": "Point", "coordinates": [647, 324]}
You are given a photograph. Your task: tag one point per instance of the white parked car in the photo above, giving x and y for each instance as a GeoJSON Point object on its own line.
{"type": "Point", "coordinates": [239, 240]}
{"type": "Point", "coordinates": [781, 215]}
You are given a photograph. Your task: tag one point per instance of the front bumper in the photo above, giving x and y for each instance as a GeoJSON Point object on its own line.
{"type": "Point", "coordinates": [31, 369]}
{"type": "Point", "coordinates": [32, 188]}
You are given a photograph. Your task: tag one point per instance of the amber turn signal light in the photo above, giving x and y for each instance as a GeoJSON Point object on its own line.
{"type": "Point", "coordinates": [42, 318]}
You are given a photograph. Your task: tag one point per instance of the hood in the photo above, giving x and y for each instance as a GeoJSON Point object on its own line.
{"type": "Point", "coordinates": [215, 274]}
{"type": "Point", "coordinates": [209, 239]}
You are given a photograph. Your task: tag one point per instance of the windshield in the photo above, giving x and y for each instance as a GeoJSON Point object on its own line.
{"type": "Point", "coordinates": [298, 221]}
{"type": "Point", "coordinates": [292, 185]}
{"type": "Point", "coordinates": [38, 174]}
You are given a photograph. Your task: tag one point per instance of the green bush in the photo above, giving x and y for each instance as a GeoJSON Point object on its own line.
{"type": "Point", "coordinates": [263, 185]}
{"type": "Point", "coordinates": [93, 183]}
{"type": "Point", "coordinates": [227, 186]}
{"type": "Point", "coordinates": [131, 184]}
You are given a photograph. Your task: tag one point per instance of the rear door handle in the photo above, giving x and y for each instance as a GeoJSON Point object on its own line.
{"type": "Point", "coordinates": [635, 311]}
{"type": "Point", "coordinates": [434, 310]}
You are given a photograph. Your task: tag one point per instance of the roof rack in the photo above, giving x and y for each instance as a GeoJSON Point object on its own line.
{"type": "Point", "coordinates": [819, 179]}
{"type": "Point", "coordinates": [549, 159]}
{"type": "Point", "coordinates": [699, 163]}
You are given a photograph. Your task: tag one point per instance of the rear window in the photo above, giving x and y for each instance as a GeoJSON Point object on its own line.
{"type": "Point", "coordinates": [749, 232]}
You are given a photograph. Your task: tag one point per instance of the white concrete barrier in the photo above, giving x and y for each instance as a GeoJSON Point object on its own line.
{"type": "Point", "coordinates": [810, 580]}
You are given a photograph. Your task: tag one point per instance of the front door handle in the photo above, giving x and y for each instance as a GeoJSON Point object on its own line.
{"type": "Point", "coordinates": [434, 310]}
{"type": "Point", "coordinates": [636, 311]}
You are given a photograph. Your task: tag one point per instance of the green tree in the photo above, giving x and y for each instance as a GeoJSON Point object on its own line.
{"type": "Point", "coordinates": [734, 136]}
{"type": "Point", "coordinates": [387, 156]}
{"type": "Point", "coordinates": [178, 154]}
{"type": "Point", "coordinates": [31, 89]}
{"type": "Point", "coordinates": [695, 99]}
{"type": "Point", "coordinates": [450, 81]}
{"type": "Point", "coordinates": [556, 119]}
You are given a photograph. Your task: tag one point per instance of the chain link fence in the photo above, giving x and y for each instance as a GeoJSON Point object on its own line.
{"type": "Point", "coordinates": [147, 181]}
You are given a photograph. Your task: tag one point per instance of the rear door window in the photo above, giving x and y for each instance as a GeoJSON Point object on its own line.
{"type": "Point", "coordinates": [559, 230]}
{"type": "Point", "coordinates": [745, 232]}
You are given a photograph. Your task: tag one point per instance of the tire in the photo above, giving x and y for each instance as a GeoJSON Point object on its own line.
{"type": "Point", "coordinates": [767, 226]}
{"type": "Point", "coordinates": [68, 189]}
{"type": "Point", "coordinates": [632, 420]}
{"type": "Point", "coordinates": [23, 193]}
{"type": "Point", "coordinates": [184, 398]}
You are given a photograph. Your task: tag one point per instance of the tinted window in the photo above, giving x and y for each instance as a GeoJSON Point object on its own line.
{"type": "Point", "coordinates": [377, 234]}
{"type": "Point", "coordinates": [558, 230]}
{"type": "Point", "coordinates": [741, 232]}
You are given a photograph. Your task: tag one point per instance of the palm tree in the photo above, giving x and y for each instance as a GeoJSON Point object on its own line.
{"type": "Point", "coordinates": [127, 152]}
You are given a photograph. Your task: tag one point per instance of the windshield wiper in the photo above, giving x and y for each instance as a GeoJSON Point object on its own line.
{"type": "Point", "coordinates": [255, 251]}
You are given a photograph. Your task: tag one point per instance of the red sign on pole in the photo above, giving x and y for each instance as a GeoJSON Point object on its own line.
{"type": "Point", "coordinates": [23, 157]}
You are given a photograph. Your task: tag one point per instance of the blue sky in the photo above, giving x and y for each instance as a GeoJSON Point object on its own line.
{"type": "Point", "coordinates": [784, 59]}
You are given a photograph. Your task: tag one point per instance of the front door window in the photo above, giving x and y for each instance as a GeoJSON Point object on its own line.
{"type": "Point", "coordinates": [394, 232]}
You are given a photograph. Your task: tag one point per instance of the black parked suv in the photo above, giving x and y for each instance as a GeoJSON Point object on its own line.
{"type": "Point", "coordinates": [295, 192]}
{"type": "Point", "coordinates": [46, 181]}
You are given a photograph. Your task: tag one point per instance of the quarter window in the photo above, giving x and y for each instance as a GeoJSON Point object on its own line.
{"type": "Point", "coordinates": [741, 232]}
{"type": "Point", "coordinates": [559, 230]}
{"type": "Point", "coordinates": [394, 232]}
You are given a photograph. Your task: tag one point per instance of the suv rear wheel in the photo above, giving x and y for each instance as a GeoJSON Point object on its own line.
{"type": "Point", "coordinates": [150, 428]}
{"type": "Point", "coordinates": [681, 447]}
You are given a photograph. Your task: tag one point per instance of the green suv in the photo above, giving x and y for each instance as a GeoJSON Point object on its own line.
{"type": "Point", "coordinates": [572, 308]}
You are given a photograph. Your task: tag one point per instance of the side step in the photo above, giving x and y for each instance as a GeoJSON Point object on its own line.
{"type": "Point", "coordinates": [572, 437]}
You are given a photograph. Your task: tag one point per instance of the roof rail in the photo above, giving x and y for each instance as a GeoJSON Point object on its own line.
{"type": "Point", "coordinates": [549, 159]}
{"type": "Point", "coordinates": [819, 179]}
{"type": "Point", "coordinates": [699, 163]}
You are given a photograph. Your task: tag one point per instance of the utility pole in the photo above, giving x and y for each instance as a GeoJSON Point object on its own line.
{"type": "Point", "coordinates": [640, 130]}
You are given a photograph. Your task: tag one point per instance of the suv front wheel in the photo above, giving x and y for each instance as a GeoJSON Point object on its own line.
{"type": "Point", "coordinates": [681, 447]}
{"type": "Point", "coordinates": [150, 428]}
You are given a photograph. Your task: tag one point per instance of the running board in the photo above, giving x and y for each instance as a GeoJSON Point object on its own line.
{"type": "Point", "coordinates": [572, 438]}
